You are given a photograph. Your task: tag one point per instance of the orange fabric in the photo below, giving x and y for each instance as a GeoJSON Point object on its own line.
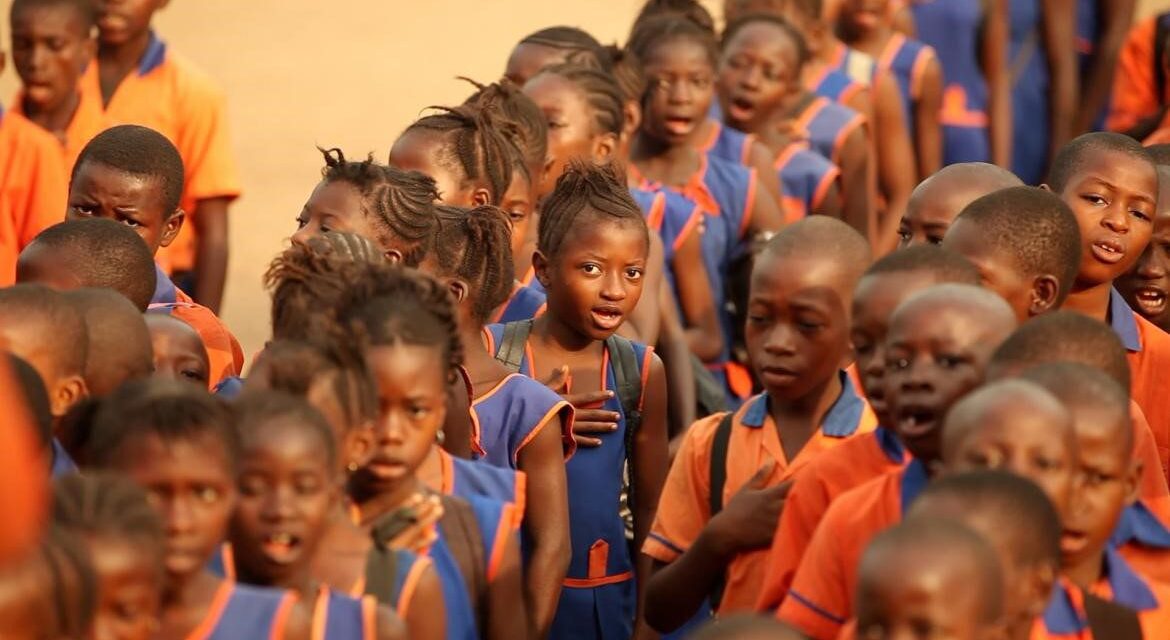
{"type": "Point", "coordinates": [410, 585]}
{"type": "Point", "coordinates": [214, 612]}
{"type": "Point", "coordinates": [815, 488]}
{"type": "Point", "coordinates": [504, 530]}
{"type": "Point", "coordinates": [280, 619]}
{"type": "Point", "coordinates": [187, 107]}
{"type": "Point", "coordinates": [1135, 93]}
{"type": "Point", "coordinates": [1155, 622]}
{"type": "Point", "coordinates": [820, 599]}
{"type": "Point", "coordinates": [23, 471]}
{"type": "Point", "coordinates": [1150, 561]}
{"type": "Point", "coordinates": [955, 112]}
{"type": "Point", "coordinates": [1148, 368]}
{"type": "Point", "coordinates": [33, 187]}
{"type": "Point", "coordinates": [684, 506]}
{"type": "Point", "coordinates": [1145, 449]}
{"type": "Point", "coordinates": [223, 350]}
{"type": "Point", "coordinates": [88, 121]}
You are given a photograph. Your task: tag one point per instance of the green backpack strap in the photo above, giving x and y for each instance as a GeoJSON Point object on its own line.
{"type": "Point", "coordinates": [718, 480]}
{"type": "Point", "coordinates": [513, 344]}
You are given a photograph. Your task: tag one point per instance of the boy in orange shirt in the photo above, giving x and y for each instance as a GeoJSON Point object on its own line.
{"type": "Point", "coordinates": [141, 81]}
{"type": "Point", "coordinates": [716, 516]}
{"type": "Point", "coordinates": [938, 345]}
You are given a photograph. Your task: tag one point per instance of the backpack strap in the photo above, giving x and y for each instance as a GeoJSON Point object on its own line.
{"type": "Point", "coordinates": [1161, 34]}
{"type": "Point", "coordinates": [1111, 620]}
{"type": "Point", "coordinates": [464, 540]}
{"type": "Point", "coordinates": [381, 573]}
{"type": "Point", "coordinates": [718, 480]}
{"type": "Point", "coordinates": [627, 378]}
{"type": "Point", "coordinates": [513, 344]}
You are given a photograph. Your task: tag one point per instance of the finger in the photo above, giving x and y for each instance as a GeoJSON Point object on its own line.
{"type": "Point", "coordinates": [590, 443]}
{"type": "Point", "coordinates": [594, 427]}
{"type": "Point", "coordinates": [579, 399]}
{"type": "Point", "coordinates": [596, 415]}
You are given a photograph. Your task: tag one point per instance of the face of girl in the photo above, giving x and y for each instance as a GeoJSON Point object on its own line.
{"type": "Point", "coordinates": [333, 206]}
{"type": "Point", "coordinates": [129, 584]}
{"type": "Point", "coordinates": [758, 71]}
{"type": "Point", "coordinates": [528, 59]}
{"type": "Point", "coordinates": [681, 78]}
{"type": "Point", "coordinates": [519, 203]}
{"type": "Point", "coordinates": [572, 134]}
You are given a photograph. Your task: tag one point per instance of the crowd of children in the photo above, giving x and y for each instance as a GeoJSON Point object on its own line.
{"type": "Point", "coordinates": [838, 321]}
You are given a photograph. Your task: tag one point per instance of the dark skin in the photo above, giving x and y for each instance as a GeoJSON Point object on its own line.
{"type": "Point", "coordinates": [178, 350]}
{"type": "Point", "coordinates": [1147, 285]}
{"type": "Point", "coordinates": [101, 191]}
{"type": "Point", "coordinates": [676, 359]}
{"type": "Point", "coordinates": [1058, 29]}
{"type": "Point", "coordinates": [593, 281]}
{"type": "Point", "coordinates": [129, 587]}
{"type": "Point", "coordinates": [993, 61]}
{"type": "Point", "coordinates": [940, 199]}
{"type": "Point", "coordinates": [1114, 18]}
{"type": "Point", "coordinates": [797, 333]}
{"type": "Point", "coordinates": [50, 48]}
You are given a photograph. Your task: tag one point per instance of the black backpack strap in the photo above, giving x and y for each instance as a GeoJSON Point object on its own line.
{"type": "Point", "coordinates": [1111, 620]}
{"type": "Point", "coordinates": [461, 533]}
{"type": "Point", "coordinates": [1161, 34]}
{"type": "Point", "coordinates": [381, 573]}
{"type": "Point", "coordinates": [627, 378]}
{"type": "Point", "coordinates": [513, 344]}
{"type": "Point", "coordinates": [718, 480]}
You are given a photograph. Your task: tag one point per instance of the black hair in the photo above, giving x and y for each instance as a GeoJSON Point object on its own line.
{"type": "Point", "coordinates": [167, 409]}
{"type": "Point", "coordinates": [584, 190]}
{"type": "Point", "coordinates": [1159, 153]}
{"type": "Point", "coordinates": [62, 326]}
{"type": "Point", "coordinates": [295, 366]}
{"type": "Point", "coordinates": [734, 9]}
{"type": "Point", "coordinates": [400, 203]}
{"type": "Point", "coordinates": [479, 141]}
{"type": "Point", "coordinates": [73, 583]}
{"type": "Point", "coordinates": [84, 9]}
{"type": "Point", "coordinates": [1080, 385]}
{"type": "Point", "coordinates": [101, 254]}
{"type": "Point", "coordinates": [688, 9]}
{"type": "Point", "coordinates": [822, 237]}
{"type": "Point", "coordinates": [109, 506]}
{"type": "Point", "coordinates": [581, 47]}
{"type": "Point", "coordinates": [941, 263]}
{"type": "Point", "coordinates": [1063, 336]}
{"type": "Point", "coordinates": [628, 74]}
{"type": "Point", "coordinates": [810, 9]}
{"type": "Point", "coordinates": [803, 55]}
{"type": "Point", "coordinates": [141, 152]}
{"type": "Point", "coordinates": [531, 127]}
{"type": "Point", "coordinates": [1033, 226]}
{"type": "Point", "coordinates": [256, 408]}
{"type": "Point", "coordinates": [601, 91]}
{"type": "Point", "coordinates": [1016, 503]}
{"type": "Point", "coordinates": [1071, 157]}
{"type": "Point", "coordinates": [475, 246]}
{"type": "Point", "coordinates": [658, 29]}
{"type": "Point", "coordinates": [119, 344]}
{"type": "Point", "coordinates": [36, 398]}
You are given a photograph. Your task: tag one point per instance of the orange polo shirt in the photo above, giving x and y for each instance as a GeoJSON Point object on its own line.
{"type": "Point", "coordinates": [684, 505]}
{"type": "Point", "coordinates": [1135, 92]}
{"type": "Point", "coordinates": [169, 94]}
{"type": "Point", "coordinates": [1148, 351]}
{"type": "Point", "coordinates": [33, 187]}
{"type": "Point", "coordinates": [1145, 449]}
{"type": "Point", "coordinates": [815, 487]}
{"type": "Point", "coordinates": [1122, 585]}
{"type": "Point", "coordinates": [88, 121]}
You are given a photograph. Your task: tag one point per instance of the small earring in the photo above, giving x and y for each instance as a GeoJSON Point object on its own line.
{"type": "Point", "coordinates": [351, 467]}
{"type": "Point", "coordinates": [440, 437]}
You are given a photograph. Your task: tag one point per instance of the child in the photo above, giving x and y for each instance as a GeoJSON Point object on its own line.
{"type": "Point", "coordinates": [938, 344]}
{"type": "Point", "coordinates": [1025, 243]}
{"type": "Point", "coordinates": [53, 41]}
{"type": "Point", "coordinates": [884, 286]}
{"type": "Point", "coordinates": [414, 352]}
{"type": "Point", "coordinates": [554, 45]}
{"type": "Point", "coordinates": [140, 80]}
{"type": "Point", "coordinates": [1145, 287]}
{"type": "Point", "coordinates": [287, 486]}
{"type": "Point", "coordinates": [591, 257]}
{"type": "Point", "coordinates": [937, 200]}
{"type": "Point", "coordinates": [797, 333]}
{"type": "Point", "coordinates": [42, 327]}
{"type": "Point", "coordinates": [31, 393]}
{"type": "Point", "coordinates": [118, 342]}
{"type": "Point", "coordinates": [179, 353]}
{"type": "Point", "coordinates": [1112, 187]}
{"type": "Point", "coordinates": [135, 176]}
{"type": "Point", "coordinates": [869, 28]}
{"type": "Point", "coordinates": [180, 445]}
{"type": "Point", "coordinates": [932, 574]}
{"type": "Point", "coordinates": [66, 256]}
{"type": "Point", "coordinates": [124, 539]}
{"type": "Point", "coordinates": [49, 591]}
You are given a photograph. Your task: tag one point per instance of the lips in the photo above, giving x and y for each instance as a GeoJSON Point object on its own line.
{"type": "Point", "coordinates": [281, 547]}
{"type": "Point", "coordinates": [917, 420]}
{"type": "Point", "coordinates": [777, 375]}
{"type": "Point", "coordinates": [607, 318]}
{"type": "Point", "coordinates": [1151, 300]}
{"type": "Point", "coordinates": [679, 125]}
{"type": "Point", "coordinates": [1109, 250]}
{"type": "Point", "coordinates": [1073, 542]}
{"type": "Point", "coordinates": [740, 109]}
{"type": "Point", "coordinates": [387, 468]}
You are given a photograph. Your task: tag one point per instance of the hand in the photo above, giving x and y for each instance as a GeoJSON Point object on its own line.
{"type": "Point", "coordinates": [587, 422]}
{"type": "Point", "coordinates": [421, 534]}
{"type": "Point", "coordinates": [748, 521]}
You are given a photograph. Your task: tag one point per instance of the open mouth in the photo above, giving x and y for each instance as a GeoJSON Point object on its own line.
{"type": "Point", "coordinates": [917, 421]}
{"type": "Point", "coordinates": [281, 547]}
{"type": "Point", "coordinates": [741, 109]}
{"type": "Point", "coordinates": [1073, 542]}
{"type": "Point", "coordinates": [607, 318]}
{"type": "Point", "coordinates": [1152, 300]}
{"type": "Point", "coordinates": [1108, 251]}
{"type": "Point", "coordinates": [386, 468]}
{"type": "Point", "coordinates": [679, 126]}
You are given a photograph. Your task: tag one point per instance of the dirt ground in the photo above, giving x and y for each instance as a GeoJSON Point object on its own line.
{"type": "Point", "coordinates": [348, 74]}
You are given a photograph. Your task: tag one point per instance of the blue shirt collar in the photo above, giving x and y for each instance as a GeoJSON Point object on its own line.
{"type": "Point", "coordinates": [1138, 524]}
{"type": "Point", "coordinates": [1122, 320]}
{"type": "Point", "coordinates": [890, 444]}
{"type": "Point", "coordinates": [914, 480]}
{"type": "Point", "coordinates": [156, 53]}
{"type": "Point", "coordinates": [1129, 589]}
{"type": "Point", "coordinates": [164, 288]}
{"type": "Point", "coordinates": [840, 421]}
{"type": "Point", "coordinates": [1061, 616]}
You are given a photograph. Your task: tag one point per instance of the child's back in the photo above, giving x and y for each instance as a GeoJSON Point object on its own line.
{"type": "Point", "coordinates": [32, 187]}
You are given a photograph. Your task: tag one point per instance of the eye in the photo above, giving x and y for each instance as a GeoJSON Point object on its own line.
{"type": "Point", "coordinates": [194, 374]}
{"type": "Point", "coordinates": [634, 273]}
{"type": "Point", "coordinates": [308, 484]}
{"type": "Point", "coordinates": [904, 234]}
{"type": "Point", "coordinates": [591, 269]}
{"type": "Point", "coordinates": [1140, 215]}
{"type": "Point", "coordinates": [808, 325]}
{"type": "Point", "coordinates": [934, 239]}
{"type": "Point", "coordinates": [83, 210]}
{"type": "Point", "coordinates": [1094, 199]}
{"type": "Point", "coordinates": [207, 495]}
{"type": "Point", "coordinates": [898, 364]}
{"type": "Point", "coordinates": [948, 361]}
{"type": "Point", "coordinates": [301, 222]}
{"type": "Point", "coordinates": [419, 412]}
{"type": "Point", "coordinates": [516, 216]}
{"type": "Point", "coordinates": [131, 222]}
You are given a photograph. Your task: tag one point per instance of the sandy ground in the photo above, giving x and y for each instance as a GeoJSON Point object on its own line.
{"type": "Point", "coordinates": [347, 73]}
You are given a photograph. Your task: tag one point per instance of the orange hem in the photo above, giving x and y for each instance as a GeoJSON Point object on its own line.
{"type": "Point", "coordinates": [503, 530]}
{"type": "Point", "coordinates": [280, 620]}
{"type": "Point", "coordinates": [749, 204]}
{"type": "Point", "coordinates": [585, 583]}
{"type": "Point", "coordinates": [218, 604]}
{"type": "Point", "coordinates": [685, 233]}
{"type": "Point", "coordinates": [818, 198]}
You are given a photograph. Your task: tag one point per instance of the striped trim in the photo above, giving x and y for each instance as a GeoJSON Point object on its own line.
{"type": "Point", "coordinates": [814, 608]}
{"type": "Point", "coordinates": [587, 583]}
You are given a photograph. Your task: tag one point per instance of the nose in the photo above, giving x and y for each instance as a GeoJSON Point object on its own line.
{"type": "Point", "coordinates": [780, 340]}
{"type": "Point", "coordinates": [613, 288]}
{"type": "Point", "coordinates": [179, 516]}
{"type": "Point", "coordinates": [1151, 266]}
{"type": "Point", "coordinates": [752, 79]}
{"type": "Point", "coordinates": [389, 430]}
{"type": "Point", "coordinates": [302, 235]}
{"type": "Point", "coordinates": [1116, 218]}
{"type": "Point", "coordinates": [915, 377]}
{"type": "Point", "coordinates": [280, 505]}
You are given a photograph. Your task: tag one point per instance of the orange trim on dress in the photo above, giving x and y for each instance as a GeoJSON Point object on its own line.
{"type": "Point", "coordinates": [588, 583]}
{"type": "Point", "coordinates": [491, 392]}
{"type": "Point", "coordinates": [857, 122]}
{"type": "Point", "coordinates": [657, 211]}
{"type": "Point", "coordinates": [645, 375]}
{"type": "Point", "coordinates": [280, 619]}
{"type": "Point", "coordinates": [745, 155]}
{"type": "Point", "coordinates": [822, 189]}
{"type": "Point", "coordinates": [544, 422]}
{"type": "Point", "coordinates": [521, 498]}
{"type": "Point", "coordinates": [749, 205]}
{"type": "Point", "coordinates": [369, 618]}
{"type": "Point", "coordinates": [219, 603]}
{"type": "Point", "coordinates": [228, 558]}
{"type": "Point", "coordinates": [709, 144]}
{"type": "Point", "coordinates": [925, 55]}
{"type": "Point", "coordinates": [693, 222]}
{"type": "Point", "coordinates": [503, 530]}
{"type": "Point", "coordinates": [447, 473]}
{"type": "Point", "coordinates": [890, 51]}
{"type": "Point", "coordinates": [410, 585]}
{"type": "Point", "coordinates": [320, 614]}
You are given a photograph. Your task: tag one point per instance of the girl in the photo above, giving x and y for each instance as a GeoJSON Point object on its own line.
{"type": "Point", "coordinates": [288, 489]}
{"type": "Point", "coordinates": [124, 540]}
{"type": "Point", "coordinates": [551, 46]}
{"type": "Point", "coordinates": [180, 445]}
{"type": "Point", "coordinates": [591, 256]}
{"type": "Point", "coordinates": [49, 590]}
{"type": "Point", "coordinates": [179, 353]}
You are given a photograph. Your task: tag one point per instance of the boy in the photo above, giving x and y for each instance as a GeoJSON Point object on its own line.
{"type": "Point", "coordinates": [134, 72]}
{"type": "Point", "coordinates": [937, 347]}
{"type": "Point", "coordinates": [118, 341]}
{"type": "Point", "coordinates": [724, 492]}
{"type": "Point", "coordinates": [42, 327]}
{"type": "Point", "coordinates": [1111, 185]}
{"type": "Point", "coordinates": [1025, 243]}
{"type": "Point", "coordinates": [929, 573]}
{"type": "Point", "coordinates": [52, 43]}
{"type": "Point", "coordinates": [937, 200]}
{"type": "Point", "coordinates": [885, 285]}
{"type": "Point", "coordinates": [64, 257]}
{"type": "Point", "coordinates": [1146, 286]}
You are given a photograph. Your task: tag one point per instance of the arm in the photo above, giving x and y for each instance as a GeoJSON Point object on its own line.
{"type": "Point", "coordinates": [389, 625]}
{"type": "Point", "coordinates": [676, 358]}
{"type": "Point", "coordinates": [457, 426]}
{"type": "Point", "coordinates": [211, 251]}
{"type": "Point", "coordinates": [299, 623]}
{"type": "Point", "coordinates": [1059, 30]}
{"type": "Point", "coordinates": [999, 82]}
{"type": "Point", "coordinates": [701, 320]}
{"type": "Point", "coordinates": [546, 520]}
{"type": "Point", "coordinates": [1135, 93]}
{"type": "Point", "coordinates": [856, 194]}
{"type": "Point", "coordinates": [766, 216]}
{"type": "Point", "coordinates": [762, 159]}
{"type": "Point", "coordinates": [896, 168]}
{"type": "Point", "coordinates": [1114, 19]}
{"type": "Point", "coordinates": [904, 21]}
{"type": "Point", "coordinates": [643, 322]}
{"type": "Point", "coordinates": [927, 124]}
{"type": "Point", "coordinates": [507, 618]}
{"type": "Point", "coordinates": [831, 204]}
{"type": "Point", "coordinates": [426, 615]}
{"type": "Point", "coordinates": [650, 463]}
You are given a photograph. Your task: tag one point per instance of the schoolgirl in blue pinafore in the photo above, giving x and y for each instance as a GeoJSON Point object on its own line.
{"type": "Point", "coordinates": [1088, 41]}
{"type": "Point", "coordinates": [343, 617]}
{"type": "Point", "coordinates": [674, 217]}
{"type": "Point", "coordinates": [509, 415]}
{"type": "Point", "coordinates": [906, 61]}
{"type": "Point", "coordinates": [243, 611]}
{"type": "Point", "coordinates": [526, 302]}
{"type": "Point", "coordinates": [729, 144]}
{"type": "Point", "coordinates": [836, 86]}
{"type": "Point", "coordinates": [599, 596]}
{"type": "Point", "coordinates": [1031, 123]}
{"type": "Point", "coordinates": [952, 28]}
{"type": "Point", "coordinates": [805, 178]}
{"type": "Point", "coordinates": [827, 125]}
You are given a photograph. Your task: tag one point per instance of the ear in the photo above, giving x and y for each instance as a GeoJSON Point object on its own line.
{"type": "Point", "coordinates": [540, 268]}
{"type": "Point", "coordinates": [632, 111]}
{"type": "Point", "coordinates": [604, 147]}
{"type": "Point", "coordinates": [358, 445]}
{"type": "Point", "coordinates": [171, 228]}
{"type": "Point", "coordinates": [1038, 581]}
{"type": "Point", "coordinates": [480, 197]}
{"type": "Point", "coordinates": [91, 45]}
{"type": "Point", "coordinates": [68, 392]}
{"type": "Point", "coordinates": [393, 256]}
{"type": "Point", "coordinates": [1045, 289]}
{"type": "Point", "coordinates": [459, 289]}
{"type": "Point", "coordinates": [1045, 187]}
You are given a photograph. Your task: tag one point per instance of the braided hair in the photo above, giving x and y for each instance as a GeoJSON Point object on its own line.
{"type": "Point", "coordinates": [531, 127]}
{"type": "Point", "coordinates": [741, 22]}
{"type": "Point", "coordinates": [109, 507]}
{"type": "Point", "coordinates": [73, 584]}
{"type": "Point", "coordinates": [601, 92]}
{"type": "Point", "coordinates": [256, 409]}
{"type": "Point", "coordinates": [580, 47]}
{"type": "Point", "coordinates": [585, 190]}
{"type": "Point", "coordinates": [476, 248]}
{"type": "Point", "coordinates": [331, 357]}
{"type": "Point", "coordinates": [671, 26]}
{"type": "Point", "coordinates": [688, 9]}
{"type": "Point", "coordinates": [627, 73]}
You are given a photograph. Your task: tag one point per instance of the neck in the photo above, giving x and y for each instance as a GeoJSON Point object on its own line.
{"type": "Point", "coordinates": [645, 147]}
{"type": "Point", "coordinates": [1090, 300]}
{"type": "Point", "coordinates": [561, 335]}
{"type": "Point", "coordinates": [299, 580]}
{"type": "Point", "coordinates": [809, 409]}
{"type": "Point", "coordinates": [872, 41]}
{"type": "Point", "coordinates": [190, 591]}
{"type": "Point", "coordinates": [388, 498]}
{"type": "Point", "coordinates": [1086, 572]}
{"type": "Point", "coordinates": [125, 56]}
{"type": "Point", "coordinates": [54, 118]}
{"type": "Point", "coordinates": [1021, 629]}
{"type": "Point", "coordinates": [481, 366]}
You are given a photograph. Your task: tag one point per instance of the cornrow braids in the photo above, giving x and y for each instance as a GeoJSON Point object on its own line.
{"type": "Point", "coordinates": [505, 97]}
{"type": "Point", "coordinates": [257, 408]}
{"type": "Point", "coordinates": [73, 583]}
{"type": "Point", "coordinates": [330, 355]}
{"type": "Point", "coordinates": [476, 247]}
{"type": "Point", "coordinates": [601, 92]}
{"type": "Point", "coordinates": [580, 47]}
{"type": "Point", "coordinates": [740, 23]}
{"type": "Point", "coordinates": [401, 203]}
{"type": "Point", "coordinates": [108, 506]}
{"type": "Point", "coordinates": [627, 72]}
{"type": "Point", "coordinates": [480, 140]}
{"type": "Point", "coordinates": [688, 9]}
{"type": "Point", "coordinates": [585, 189]}
{"type": "Point", "coordinates": [666, 27]}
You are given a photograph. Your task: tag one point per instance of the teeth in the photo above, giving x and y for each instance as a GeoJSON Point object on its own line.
{"type": "Point", "coordinates": [280, 538]}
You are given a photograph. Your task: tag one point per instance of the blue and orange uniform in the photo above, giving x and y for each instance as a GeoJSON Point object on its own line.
{"type": "Point", "coordinates": [170, 95]}
{"type": "Point", "coordinates": [224, 354]}
{"type": "Point", "coordinates": [814, 488]}
{"type": "Point", "coordinates": [952, 29]}
{"type": "Point", "coordinates": [853, 64]}
{"type": "Point", "coordinates": [820, 600]}
{"type": "Point", "coordinates": [1030, 99]}
{"type": "Point", "coordinates": [828, 125]}
{"type": "Point", "coordinates": [906, 60]}
{"type": "Point", "coordinates": [525, 302]}
{"type": "Point", "coordinates": [729, 144]}
{"type": "Point", "coordinates": [505, 418]}
{"type": "Point", "coordinates": [1136, 94]}
{"type": "Point", "coordinates": [835, 85]}
{"type": "Point", "coordinates": [684, 505]}
{"type": "Point", "coordinates": [1148, 351]}
{"type": "Point", "coordinates": [1152, 484]}
{"type": "Point", "coordinates": [465, 478]}
{"type": "Point", "coordinates": [674, 217]}
{"type": "Point", "coordinates": [599, 596]}
{"type": "Point", "coordinates": [1122, 585]}
{"type": "Point", "coordinates": [1065, 617]}
{"type": "Point", "coordinates": [805, 180]}
{"type": "Point", "coordinates": [243, 611]}
{"type": "Point", "coordinates": [337, 616]}
{"type": "Point", "coordinates": [1141, 537]}
{"type": "Point", "coordinates": [34, 187]}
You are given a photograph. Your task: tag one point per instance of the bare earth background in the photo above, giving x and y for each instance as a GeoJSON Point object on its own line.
{"type": "Point", "coordinates": [346, 73]}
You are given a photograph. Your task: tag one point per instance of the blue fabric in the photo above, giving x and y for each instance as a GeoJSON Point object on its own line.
{"type": "Point", "coordinates": [833, 85]}
{"type": "Point", "coordinates": [63, 465]}
{"type": "Point", "coordinates": [914, 481]}
{"type": "Point", "coordinates": [1137, 524]}
{"type": "Point", "coordinates": [524, 304]}
{"type": "Point", "coordinates": [840, 421]}
{"type": "Point", "coordinates": [230, 387]}
{"type": "Point", "coordinates": [890, 444]}
{"type": "Point", "coordinates": [344, 618]}
{"type": "Point", "coordinates": [1030, 101]}
{"type": "Point", "coordinates": [154, 56]}
{"type": "Point", "coordinates": [1129, 589]}
{"type": "Point", "coordinates": [250, 613]}
{"type": "Point", "coordinates": [603, 613]}
{"type": "Point", "coordinates": [1061, 616]}
{"type": "Point", "coordinates": [165, 291]}
{"type": "Point", "coordinates": [461, 622]}
{"type": "Point", "coordinates": [1124, 323]}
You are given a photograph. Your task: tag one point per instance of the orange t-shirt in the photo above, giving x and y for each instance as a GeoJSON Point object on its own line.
{"type": "Point", "coordinates": [87, 122]}
{"type": "Point", "coordinates": [1122, 585]}
{"type": "Point", "coordinates": [1145, 449]}
{"type": "Point", "coordinates": [23, 471]}
{"type": "Point", "coordinates": [1135, 92]}
{"type": "Point", "coordinates": [1142, 538]}
{"type": "Point", "coordinates": [815, 487]}
{"type": "Point", "coordinates": [1148, 351]}
{"type": "Point", "coordinates": [33, 187]}
{"type": "Point", "coordinates": [169, 94]}
{"type": "Point", "coordinates": [684, 505]}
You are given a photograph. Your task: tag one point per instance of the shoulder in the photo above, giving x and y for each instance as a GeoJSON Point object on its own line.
{"type": "Point", "coordinates": [18, 132]}
{"type": "Point", "coordinates": [190, 78]}
{"type": "Point", "coordinates": [857, 505]}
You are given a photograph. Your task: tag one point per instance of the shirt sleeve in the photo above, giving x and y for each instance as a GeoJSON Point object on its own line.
{"type": "Point", "coordinates": [683, 508]}
{"type": "Point", "coordinates": [1134, 91]}
{"type": "Point", "coordinates": [48, 188]}
{"type": "Point", "coordinates": [1145, 449]}
{"type": "Point", "coordinates": [204, 144]}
